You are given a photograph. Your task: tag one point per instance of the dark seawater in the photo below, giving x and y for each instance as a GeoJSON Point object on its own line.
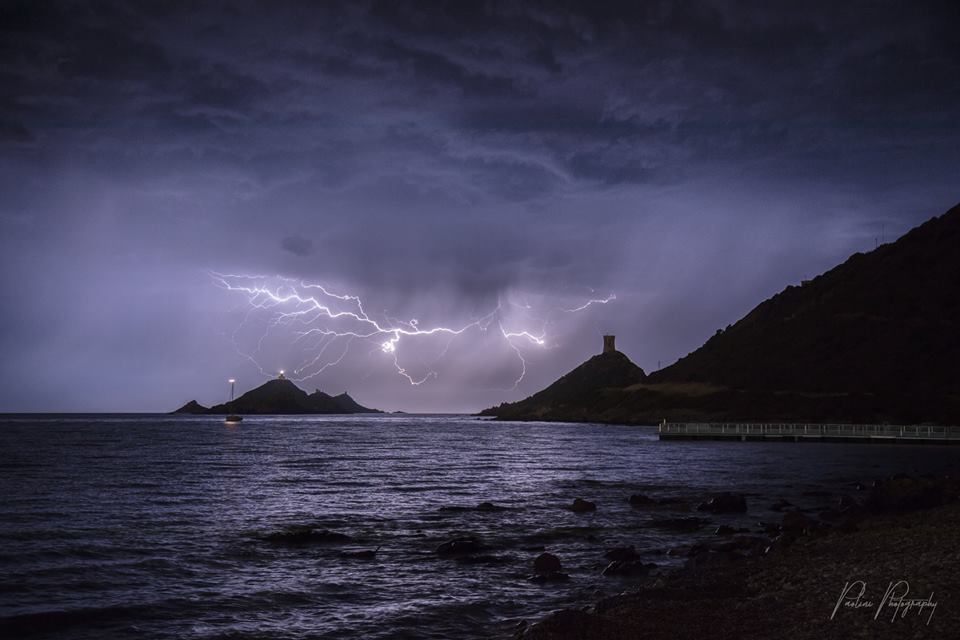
{"type": "Point", "coordinates": [152, 526]}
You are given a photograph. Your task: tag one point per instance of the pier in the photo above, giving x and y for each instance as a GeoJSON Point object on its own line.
{"type": "Point", "coordinates": [790, 432]}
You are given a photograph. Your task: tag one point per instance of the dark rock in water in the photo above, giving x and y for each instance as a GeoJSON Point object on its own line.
{"type": "Point", "coordinates": [554, 576]}
{"type": "Point", "coordinates": [640, 500]}
{"type": "Point", "coordinates": [795, 522]}
{"type": "Point", "coordinates": [485, 507]}
{"type": "Point", "coordinates": [547, 563]}
{"type": "Point", "coordinates": [628, 568]}
{"type": "Point", "coordinates": [305, 534]}
{"type": "Point", "coordinates": [724, 530]}
{"type": "Point", "coordinates": [582, 506]}
{"type": "Point", "coordinates": [679, 524]}
{"type": "Point", "coordinates": [490, 507]}
{"type": "Point", "coordinates": [366, 554]}
{"type": "Point", "coordinates": [459, 546]}
{"type": "Point", "coordinates": [621, 553]}
{"type": "Point", "coordinates": [483, 559]}
{"type": "Point", "coordinates": [780, 505]}
{"type": "Point", "coordinates": [725, 503]}
{"type": "Point", "coordinates": [904, 493]}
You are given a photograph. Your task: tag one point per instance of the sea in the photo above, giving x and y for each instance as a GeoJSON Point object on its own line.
{"type": "Point", "coordinates": [157, 526]}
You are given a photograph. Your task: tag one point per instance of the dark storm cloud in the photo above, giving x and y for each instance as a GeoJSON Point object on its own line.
{"type": "Point", "coordinates": [647, 85]}
{"type": "Point", "coordinates": [694, 156]}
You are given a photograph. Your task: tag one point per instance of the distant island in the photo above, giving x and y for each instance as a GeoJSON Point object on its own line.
{"type": "Point", "coordinates": [874, 340]}
{"type": "Point", "coordinates": [280, 397]}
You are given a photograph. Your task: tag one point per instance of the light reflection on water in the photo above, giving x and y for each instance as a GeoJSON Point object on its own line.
{"type": "Point", "coordinates": [151, 526]}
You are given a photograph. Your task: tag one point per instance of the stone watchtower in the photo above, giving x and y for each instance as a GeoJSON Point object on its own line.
{"type": "Point", "coordinates": [609, 344]}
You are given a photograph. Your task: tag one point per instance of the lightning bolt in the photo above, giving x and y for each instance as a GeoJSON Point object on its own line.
{"type": "Point", "coordinates": [588, 303]}
{"type": "Point", "coordinates": [320, 317]}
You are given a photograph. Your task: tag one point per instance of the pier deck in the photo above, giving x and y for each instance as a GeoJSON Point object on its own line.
{"type": "Point", "coordinates": [788, 432]}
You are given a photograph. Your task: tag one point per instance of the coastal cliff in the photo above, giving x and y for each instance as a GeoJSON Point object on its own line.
{"type": "Point", "coordinates": [876, 339]}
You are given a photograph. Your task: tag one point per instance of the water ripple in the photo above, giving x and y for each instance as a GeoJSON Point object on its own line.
{"type": "Point", "coordinates": [159, 526]}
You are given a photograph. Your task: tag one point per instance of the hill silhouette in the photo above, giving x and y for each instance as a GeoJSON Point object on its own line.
{"type": "Point", "coordinates": [876, 339]}
{"type": "Point", "coordinates": [281, 397]}
{"type": "Point", "coordinates": [883, 322]}
{"type": "Point", "coordinates": [579, 392]}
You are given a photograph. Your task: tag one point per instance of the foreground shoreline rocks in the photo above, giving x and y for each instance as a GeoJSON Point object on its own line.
{"type": "Point", "coordinates": [901, 537]}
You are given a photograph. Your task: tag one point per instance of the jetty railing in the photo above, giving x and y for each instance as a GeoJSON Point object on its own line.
{"type": "Point", "coordinates": [818, 431]}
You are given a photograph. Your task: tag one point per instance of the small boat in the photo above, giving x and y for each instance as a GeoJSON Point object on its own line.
{"type": "Point", "coordinates": [232, 417]}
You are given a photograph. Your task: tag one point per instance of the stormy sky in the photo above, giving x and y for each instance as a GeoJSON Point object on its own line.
{"type": "Point", "coordinates": [441, 160]}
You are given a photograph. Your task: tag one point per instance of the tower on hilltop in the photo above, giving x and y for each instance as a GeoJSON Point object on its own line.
{"type": "Point", "coordinates": [609, 344]}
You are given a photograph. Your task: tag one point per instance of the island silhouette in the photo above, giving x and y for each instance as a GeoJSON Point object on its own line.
{"type": "Point", "coordinates": [279, 397]}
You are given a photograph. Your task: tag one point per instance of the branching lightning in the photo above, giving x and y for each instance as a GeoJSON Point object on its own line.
{"type": "Point", "coordinates": [320, 318]}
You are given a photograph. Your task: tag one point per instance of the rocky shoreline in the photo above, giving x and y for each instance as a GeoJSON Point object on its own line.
{"type": "Point", "coordinates": [896, 545]}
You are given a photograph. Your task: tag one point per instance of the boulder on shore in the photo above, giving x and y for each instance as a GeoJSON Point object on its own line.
{"type": "Point", "coordinates": [628, 568]}
{"type": "Point", "coordinates": [795, 522]}
{"type": "Point", "coordinates": [906, 493]}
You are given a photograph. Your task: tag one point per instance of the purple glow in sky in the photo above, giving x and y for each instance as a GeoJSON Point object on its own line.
{"type": "Point", "coordinates": [442, 162]}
